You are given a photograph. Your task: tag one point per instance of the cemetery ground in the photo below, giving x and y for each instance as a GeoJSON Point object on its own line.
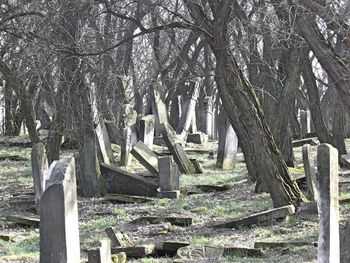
{"type": "Point", "coordinates": [206, 207]}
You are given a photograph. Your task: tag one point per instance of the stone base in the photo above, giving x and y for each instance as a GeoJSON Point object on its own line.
{"type": "Point", "coordinates": [175, 194]}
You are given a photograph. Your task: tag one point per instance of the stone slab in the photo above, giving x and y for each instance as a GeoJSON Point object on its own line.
{"type": "Point", "coordinates": [178, 221]}
{"type": "Point", "coordinates": [135, 252]}
{"type": "Point", "coordinates": [119, 198]}
{"type": "Point", "coordinates": [146, 157]}
{"type": "Point", "coordinates": [197, 138]}
{"type": "Point", "coordinates": [24, 220]}
{"type": "Point", "coordinates": [119, 181]}
{"type": "Point", "coordinates": [118, 239]}
{"type": "Point", "coordinates": [170, 247]}
{"type": "Point", "coordinates": [277, 244]}
{"type": "Point", "coordinates": [260, 218]}
{"type": "Point", "coordinates": [311, 141]}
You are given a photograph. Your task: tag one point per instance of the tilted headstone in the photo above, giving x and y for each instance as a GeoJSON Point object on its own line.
{"type": "Point", "coordinates": [146, 157]}
{"type": "Point", "coordinates": [147, 130]}
{"type": "Point", "coordinates": [159, 108]}
{"type": "Point", "coordinates": [102, 254]}
{"type": "Point", "coordinates": [59, 229]}
{"type": "Point", "coordinates": [310, 173]}
{"type": "Point", "coordinates": [327, 177]}
{"type": "Point", "coordinates": [305, 123]}
{"type": "Point", "coordinates": [228, 146]}
{"type": "Point", "coordinates": [176, 150]}
{"type": "Point", "coordinates": [39, 168]}
{"type": "Point", "coordinates": [104, 148]}
{"type": "Point", "coordinates": [189, 111]}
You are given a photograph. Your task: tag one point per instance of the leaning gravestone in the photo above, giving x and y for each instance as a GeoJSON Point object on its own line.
{"type": "Point", "coordinates": [310, 173]}
{"type": "Point", "coordinates": [59, 229]}
{"type": "Point", "coordinates": [159, 108]}
{"type": "Point", "coordinates": [39, 168]}
{"type": "Point", "coordinates": [146, 157]}
{"type": "Point", "coordinates": [327, 178]}
{"type": "Point", "coordinates": [176, 150]}
{"type": "Point", "coordinates": [147, 130]}
{"type": "Point", "coordinates": [104, 150]}
{"type": "Point", "coordinates": [305, 123]}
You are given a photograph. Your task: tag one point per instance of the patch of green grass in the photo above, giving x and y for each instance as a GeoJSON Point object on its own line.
{"type": "Point", "coordinates": [92, 231]}
{"type": "Point", "coordinates": [263, 232]}
{"type": "Point", "coordinates": [119, 211]}
{"type": "Point", "coordinates": [27, 245]}
{"type": "Point", "coordinates": [344, 194]}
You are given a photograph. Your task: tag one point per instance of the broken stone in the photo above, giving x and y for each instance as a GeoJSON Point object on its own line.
{"type": "Point", "coordinates": [118, 239]}
{"type": "Point", "coordinates": [102, 254]}
{"type": "Point", "coordinates": [146, 157]}
{"type": "Point", "coordinates": [119, 198]}
{"type": "Point", "coordinates": [135, 252]}
{"type": "Point", "coordinates": [118, 181]}
{"type": "Point", "coordinates": [260, 218]}
{"type": "Point", "coordinates": [197, 138]}
{"type": "Point", "coordinates": [178, 221]}
{"type": "Point", "coordinates": [24, 220]}
{"type": "Point", "coordinates": [275, 244]}
{"type": "Point", "coordinates": [311, 141]}
{"type": "Point", "coordinates": [199, 252]}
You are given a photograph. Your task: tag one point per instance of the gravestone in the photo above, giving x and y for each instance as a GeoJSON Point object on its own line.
{"type": "Point", "coordinates": [102, 254]}
{"type": "Point", "coordinates": [146, 157]}
{"type": "Point", "coordinates": [305, 124]}
{"type": "Point", "coordinates": [39, 168]}
{"type": "Point", "coordinates": [197, 138]}
{"type": "Point", "coordinates": [207, 117]}
{"type": "Point", "coordinates": [147, 130]}
{"type": "Point", "coordinates": [310, 173]}
{"type": "Point", "coordinates": [228, 145]}
{"type": "Point", "coordinates": [168, 178]}
{"type": "Point", "coordinates": [328, 203]}
{"type": "Point", "coordinates": [104, 149]}
{"type": "Point", "coordinates": [114, 134]}
{"type": "Point", "coordinates": [176, 150]}
{"type": "Point", "coordinates": [118, 181]}
{"type": "Point", "coordinates": [159, 108]}
{"type": "Point", "coordinates": [189, 111]}
{"type": "Point", "coordinates": [125, 147]}
{"type": "Point", "coordinates": [59, 229]}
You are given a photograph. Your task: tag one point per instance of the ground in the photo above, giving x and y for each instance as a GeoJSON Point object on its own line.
{"type": "Point", "coordinates": [206, 209]}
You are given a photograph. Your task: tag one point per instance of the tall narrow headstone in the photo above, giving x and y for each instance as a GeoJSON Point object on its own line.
{"type": "Point", "coordinates": [59, 229]}
{"type": "Point", "coordinates": [168, 178]}
{"type": "Point", "coordinates": [227, 151]}
{"type": "Point", "coordinates": [189, 111]}
{"type": "Point", "coordinates": [39, 168]}
{"type": "Point", "coordinates": [327, 177]}
{"type": "Point", "coordinates": [305, 123]}
{"type": "Point", "coordinates": [104, 148]}
{"type": "Point", "coordinates": [147, 130]}
{"type": "Point", "coordinates": [126, 146]}
{"type": "Point", "coordinates": [159, 108]}
{"type": "Point", "coordinates": [310, 173]}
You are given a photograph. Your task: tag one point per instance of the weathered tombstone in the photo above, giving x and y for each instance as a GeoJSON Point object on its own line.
{"type": "Point", "coordinates": [227, 151]}
{"type": "Point", "coordinates": [176, 150]}
{"type": "Point", "coordinates": [305, 126]}
{"type": "Point", "coordinates": [104, 150]}
{"type": "Point", "coordinates": [59, 229]}
{"type": "Point", "coordinates": [146, 157]}
{"type": "Point", "coordinates": [328, 203]}
{"type": "Point", "coordinates": [310, 173]}
{"type": "Point", "coordinates": [168, 178]}
{"type": "Point", "coordinates": [189, 111]}
{"type": "Point", "coordinates": [125, 147]}
{"type": "Point", "coordinates": [159, 108]}
{"type": "Point", "coordinates": [102, 254]}
{"type": "Point", "coordinates": [39, 168]}
{"type": "Point", "coordinates": [197, 138]}
{"type": "Point", "coordinates": [147, 130]}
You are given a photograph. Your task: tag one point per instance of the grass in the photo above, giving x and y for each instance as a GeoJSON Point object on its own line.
{"type": "Point", "coordinates": [26, 245]}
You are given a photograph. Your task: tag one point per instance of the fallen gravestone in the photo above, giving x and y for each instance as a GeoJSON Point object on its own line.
{"type": "Point", "coordinates": [178, 221]}
{"type": "Point", "coordinates": [311, 141]}
{"type": "Point", "coordinates": [118, 181]}
{"type": "Point", "coordinates": [136, 252]}
{"type": "Point", "coordinates": [146, 157]}
{"type": "Point", "coordinates": [118, 239]}
{"type": "Point", "coordinates": [276, 244]}
{"type": "Point", "coordinates": [59, 229]}
{"type": "Point", "coordinates": [327, 178]}
{"type": "Point", "coordinates": [24, 220]}
{"type": "Point", "coordinates": [198, 169]}
{"type": "Point", "coordinates": [119, 198]}
{"type": "Point", "coordinates": [260, 218]}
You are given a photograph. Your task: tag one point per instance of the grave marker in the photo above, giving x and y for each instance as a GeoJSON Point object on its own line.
{"type": "Point", "coordinates": [310, 173]}
{"type": "Point", "coordinates": [168, 178]}
{"type": "Point", "coordinates": [59, 229]}
{"type": "Point", "coordinates": [104, 149]}
{"type": "Point", "coordinates": [328, 203]}
{"type": "Point", "coordinates": [228, 146]}
{"type": "Point", "coordinates": [146, 157]}
{"type": "Point", "coordinates": [147, 130]}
